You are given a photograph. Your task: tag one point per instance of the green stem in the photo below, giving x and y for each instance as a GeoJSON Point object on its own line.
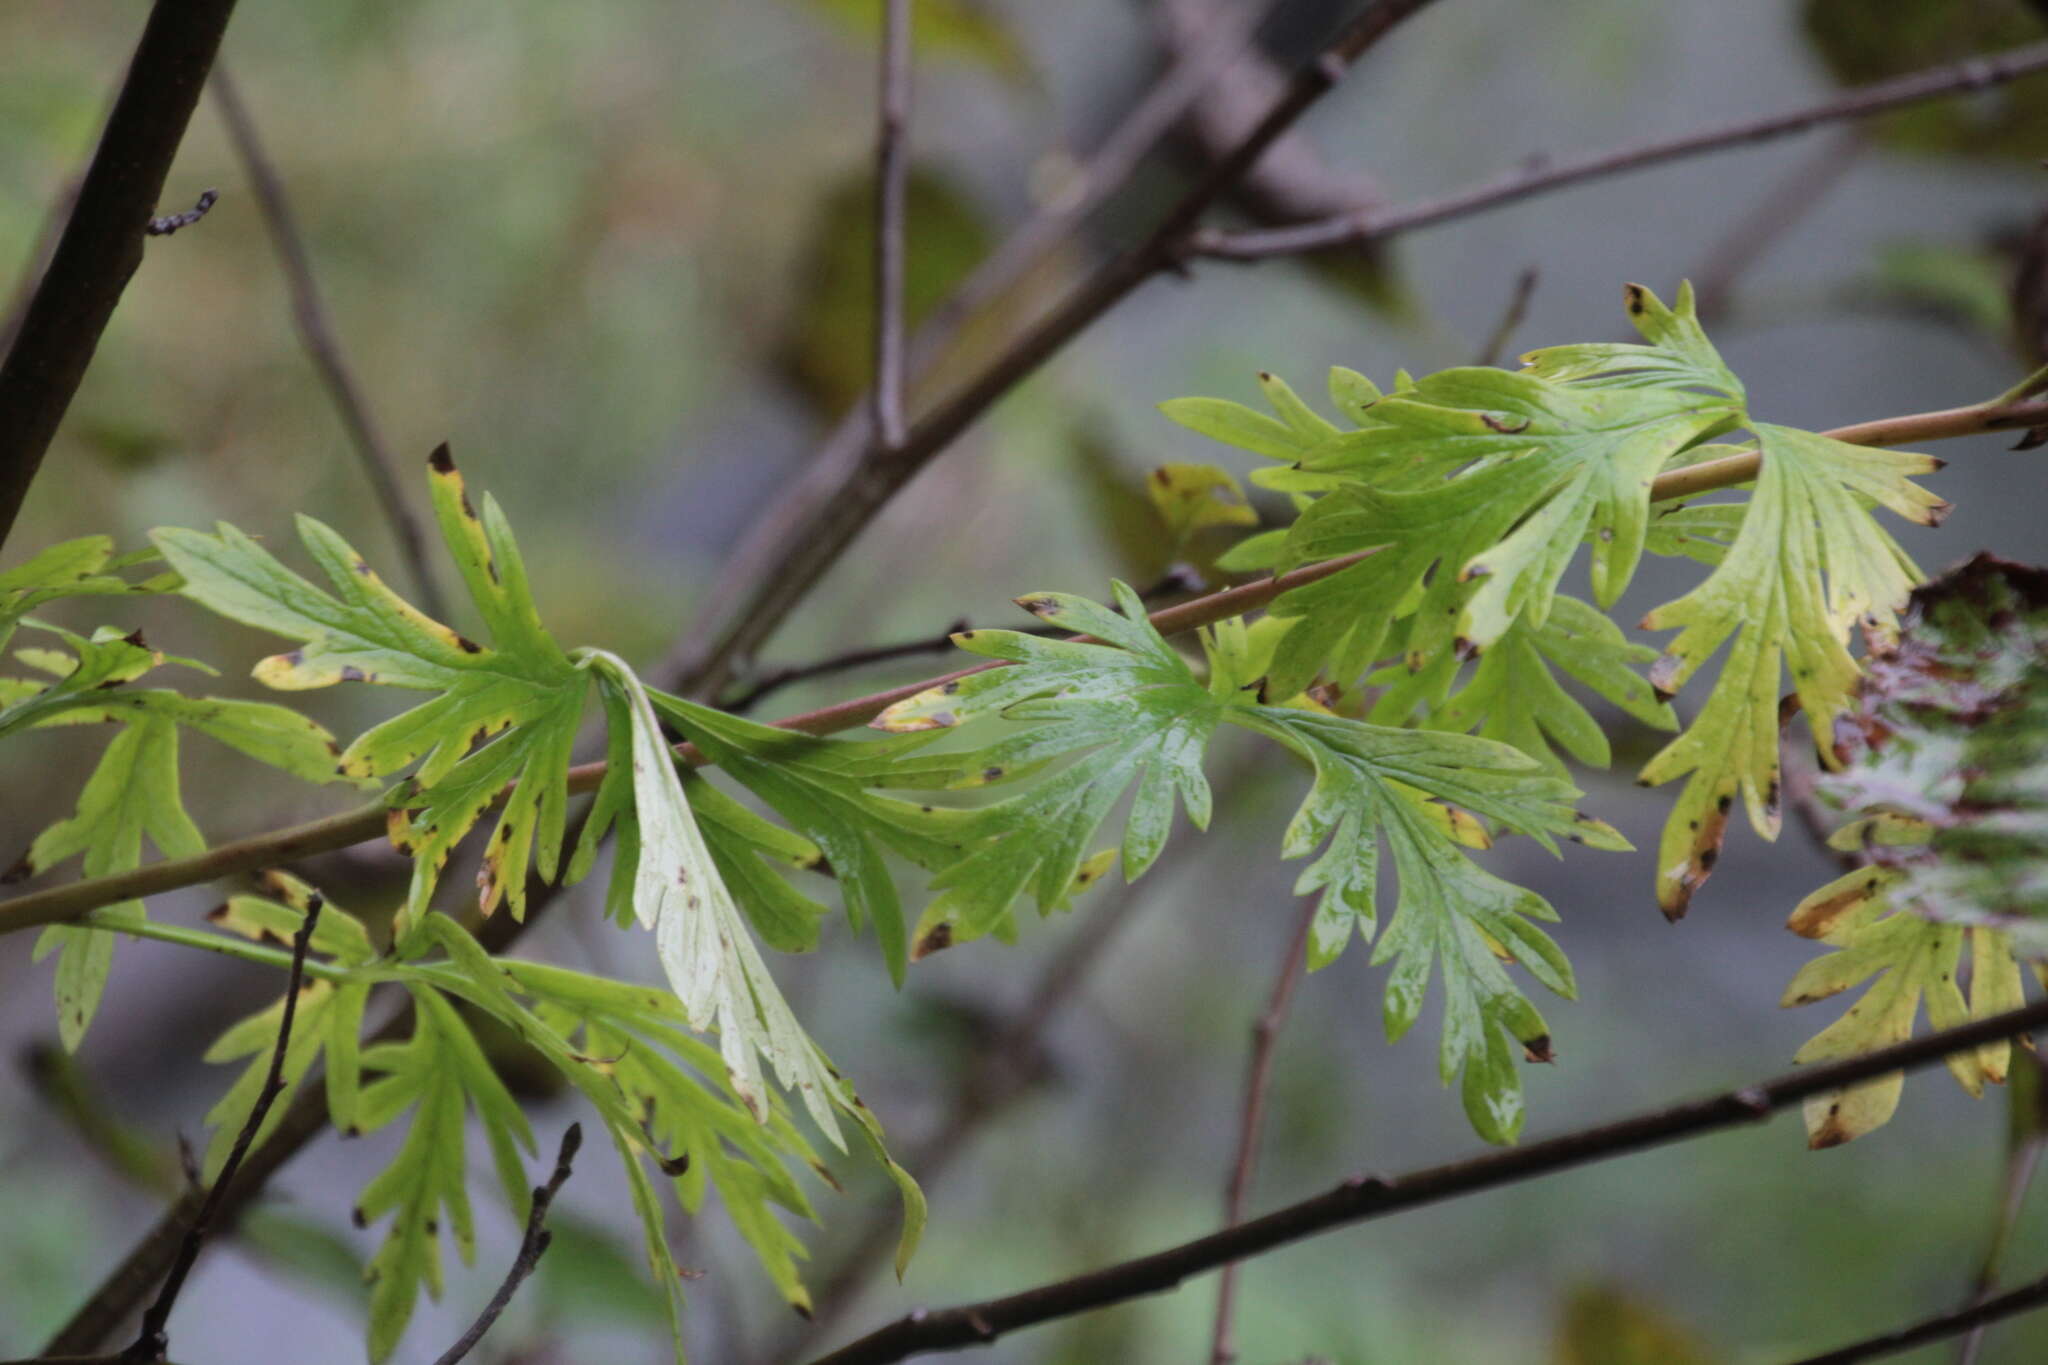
{"type": "Point", "coordinates": [209, 942]}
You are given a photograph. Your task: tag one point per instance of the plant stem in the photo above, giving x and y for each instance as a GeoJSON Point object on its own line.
{"type": "Point", "coordinates": [101, 246]}
{"type": "Point", "coordinates": [1362, 1198]}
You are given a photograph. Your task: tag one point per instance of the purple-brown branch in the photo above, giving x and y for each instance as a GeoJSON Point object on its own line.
{"type": "Point", "coordinates": [1362, 1198]}
{"type": "Point", "coordinates": [1938, 1328]}
{"type": "Point", "coordinates": [1370, 224]}
{"type": "Point", "coordinates": [101, 246]}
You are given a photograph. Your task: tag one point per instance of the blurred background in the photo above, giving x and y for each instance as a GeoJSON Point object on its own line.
{"type": "Point", "coordinates": [616, 255]}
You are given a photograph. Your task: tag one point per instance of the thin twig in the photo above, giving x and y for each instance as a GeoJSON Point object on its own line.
{"type": "Point", "coordinates": [1174, 583]}
{"type": "Point", "coordinates": [153, 1340]}
{"type": "Point", "coordinates": [688, 669]}
{"type": "Point", "coordinates": [59, 904]}
{"type": "Point", "coordinates": [1362, 1198]}
{"type": "Point", "coordinates": [1349, 229]}
{"type": "Point", "coordinates": [1251, 1124]}
{"type": "Point", "coordinates": [782, 572]}
{"type": "Point", "coordinates": [1941, 1326]}
{"type": "Point", "coordinates": [1801, 190]}
{"type": "Point", "coordinates": [532, 1247]}
{"type": "Point", "coordinates": [323, 347]}
{"type": "Point", "coordinates": [101, 245]}
{"type": "Point", "coordinates": [892, 184]}
{"type": "Point", "coordinates": [1510, 317]}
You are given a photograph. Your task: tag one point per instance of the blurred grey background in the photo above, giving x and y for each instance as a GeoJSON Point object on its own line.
{"type": "Point", "coordinates": [612, 253]}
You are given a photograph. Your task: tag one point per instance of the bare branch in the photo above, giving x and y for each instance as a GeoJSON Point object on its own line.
{"type": "Point", "coordinates": [61, 903]}
{"type": "Point", "coordinates": [323, 347]}
{"type": "Point", "coordinates": [2022, 1300]}
{"type": "Point", "coordinates": [1251, 1125]}
{"type": "Point", "coordinates": [1510, 317]}
{"type": "Point", "coordinates": [153, 1340]}
{"type": "Point", "coordinates": [1349, 229]}
{"type": "Point", "coordinates": [101, 245]}
{"type": "Point", "coordinates": [1362, 1198]}
{"type": "Point", "coordinates": [532, 1247]}
{"type": "Point", "coordinates": [802, 550]}
{"type": "Point", "coordinates": [892, 183]}
{"type": "Point", "coordinates": [1798, 193]}
{"type": "Point", "coordinates": [689, 668]}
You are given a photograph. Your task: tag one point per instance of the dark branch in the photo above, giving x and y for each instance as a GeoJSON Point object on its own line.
{"type": "Point", "coordinates": [154, 1340]}
{"type": "Point", "coordinates": [1362, 1198]}
{"type": "Point", "coordinates": [2024, 1299]}
{"type": "Point", "coordinates": [1367, 225]}
{"type": "Point", "coordinates": [531, 1248]}
{"type": "Point", "coordinates": [101, 245]}
{"type": "Point", "coordinates": [892, 182]}
{"type": "Point", "coordinates": [323, 347]}
{"type": "Point", "coordinates": [170, 223]}
{"type": "Point", "coordinates": [1251, 1124]}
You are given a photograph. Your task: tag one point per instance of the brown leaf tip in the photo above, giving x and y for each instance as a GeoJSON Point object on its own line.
{"type": "Point", "coordinates": [440, 461]}
{"type": "Point", "coordinates": [937, 939]}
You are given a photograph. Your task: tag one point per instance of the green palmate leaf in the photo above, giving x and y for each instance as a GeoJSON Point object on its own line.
{"type": "Point", "coordinates": [1374, 784]}
{"type": "Point", "coordinates": [441, 1075]}
{"type": "Point", "coordinates": [363, 632]}
{"type": "Point", "coordinates": [133, 793]}
{"type": "Point", "coordinates": [668, 1095]}
{"type": "Point", "coordinates": [822, 787]}
{"type": "Point", "coordinates": [1511, 693]}
{"type": "Point", "coordinates": [700, 932]}
{"type": "Point", "coordinates": [1912, 959]}
{"type": "Point", "coordinates": [86, 567]}
{"type": "Point", "coordinates": [1479, 476]}
{"type": "Point", "coordinates": [1126, 711]}
{"type": "Point", "coordinates": [1129, 710]}
{"type": "Point", "coordinates": [1808, 564]}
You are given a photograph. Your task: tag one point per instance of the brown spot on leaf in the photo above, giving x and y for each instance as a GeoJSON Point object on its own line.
{"type": "Point", "coordinates": [467, 645]}
{"type": "Point", "coordinates": [350, 673]}
{"type": "Point", "coordinates": [938, 938]}
{"type": "Point", "coordinates": [440, 461]}
{"type": "Point", "coordinates": [358, 1217]}
{"type": "Point", "coordinates": [1538, 1049]}
{"type": "Point", "coordinates": [1502, 427]}
{"type": "Point", "coordinates": [1634, 296]}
